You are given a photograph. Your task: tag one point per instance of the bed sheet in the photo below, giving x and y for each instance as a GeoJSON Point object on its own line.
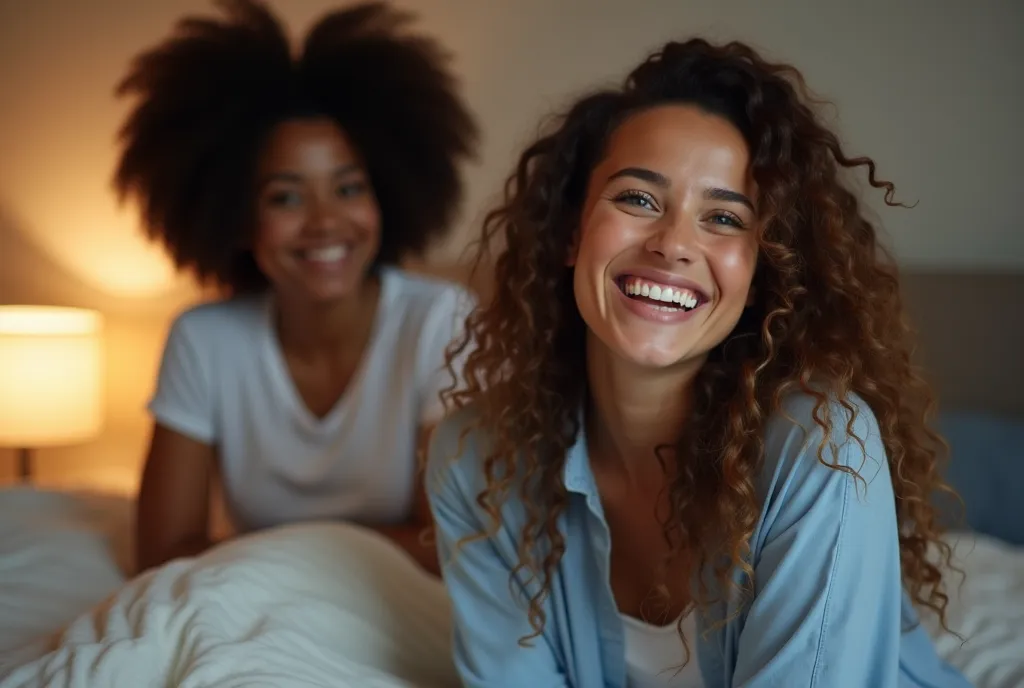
{"type": "Point", "coordinates": [986, 609]}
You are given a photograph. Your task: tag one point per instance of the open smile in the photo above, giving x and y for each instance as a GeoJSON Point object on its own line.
{"type": "Point", "coordinates": [329, 258]}
{"type": "Point", "coordinates": [659, 301]}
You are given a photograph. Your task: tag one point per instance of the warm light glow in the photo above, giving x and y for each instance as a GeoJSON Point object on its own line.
{"type": "Point", "coordinates": [106, 249]}
{"type": "Point", "coordinates": [51, 382]}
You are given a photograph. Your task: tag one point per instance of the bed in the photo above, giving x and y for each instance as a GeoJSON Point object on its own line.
{"type": "Point", "coordinates": [335, 605]}
{"type": "Point", "coordinates": [313, 605]}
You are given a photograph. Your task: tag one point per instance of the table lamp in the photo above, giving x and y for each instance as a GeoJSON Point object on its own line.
{"type": "Point", "coordinates": [51, 364]}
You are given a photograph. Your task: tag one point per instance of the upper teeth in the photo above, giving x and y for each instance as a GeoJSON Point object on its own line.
{"type": "Point", "coordinates": [661, 292]}
{"type": "Point", "coordinates": [327, 254]}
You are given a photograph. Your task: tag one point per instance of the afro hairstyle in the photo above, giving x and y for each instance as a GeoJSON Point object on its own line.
{"type": "Point", "coordinates": [209, 96]}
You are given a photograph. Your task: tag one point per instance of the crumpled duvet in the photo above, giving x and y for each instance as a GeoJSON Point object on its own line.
{"type": "Point", "coordinates": [307, 605]}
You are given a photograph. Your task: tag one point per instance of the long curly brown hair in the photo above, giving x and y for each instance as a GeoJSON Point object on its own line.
{"type": "Point", "coordinates": [828, 309]}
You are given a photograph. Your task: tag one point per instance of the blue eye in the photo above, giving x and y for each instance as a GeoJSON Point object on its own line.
{"type": "Point", "coordinates": [636, 198]}
{"type": "Point", "coordinates": [727, 219]}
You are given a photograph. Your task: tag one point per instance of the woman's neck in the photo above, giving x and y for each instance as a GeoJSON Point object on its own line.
{"type": "Point", "coordinates": [310, 329]}
{"type": "Point", "coordinates": [633, 410]}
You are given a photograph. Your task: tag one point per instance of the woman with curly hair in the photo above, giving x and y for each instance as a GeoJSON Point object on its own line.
{"type": "Point", "coordinates": [295, 184]}
{"type": "Point", "coordinates": [691, 449]}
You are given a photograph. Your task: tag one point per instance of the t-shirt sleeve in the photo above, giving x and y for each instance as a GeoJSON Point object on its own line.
{"type": "Point", "coordinates": [445, 322]}
{"type": "Point", "coordinates": [183, 399]}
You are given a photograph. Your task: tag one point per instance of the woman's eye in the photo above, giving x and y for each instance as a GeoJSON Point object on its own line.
{"type": "Point", "coordinates": [284, 198]}
{"type": "Point", "coordinates": [351, 189]}
{"type": "Point", "coordinates": [727, 219]}
{"type": "Point", "coordinates": [638, 199]}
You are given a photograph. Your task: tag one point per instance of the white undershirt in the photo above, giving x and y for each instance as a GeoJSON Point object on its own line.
{"type": "Point", "coordinates": [224, 382]}
{"type": "Point", "coordinates": [654, 653]}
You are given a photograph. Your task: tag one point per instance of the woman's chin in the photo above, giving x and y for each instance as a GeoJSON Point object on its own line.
{"type": "Point", "coordinates": [318, 293]}
{"type": "Point", "coordinates": [652, 355]}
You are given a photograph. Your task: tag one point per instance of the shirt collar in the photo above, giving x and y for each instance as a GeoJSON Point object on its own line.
{"type": "Point", "coordinates": [577, 474]}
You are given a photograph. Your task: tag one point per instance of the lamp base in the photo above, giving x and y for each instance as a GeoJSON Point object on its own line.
{"type": "Point", "coordinates": [24, 464]}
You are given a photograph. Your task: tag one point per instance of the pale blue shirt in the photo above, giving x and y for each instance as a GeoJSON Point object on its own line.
{"type": "Point", "coordinates": [828, 609]}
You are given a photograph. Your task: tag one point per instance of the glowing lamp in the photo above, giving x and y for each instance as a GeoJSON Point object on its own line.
{"type": "Point", "coordinates": [51, 384]}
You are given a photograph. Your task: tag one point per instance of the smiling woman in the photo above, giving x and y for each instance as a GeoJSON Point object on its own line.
{"type": "Point", "coordinates": [660, 199]}
{"type": "Point", "coordinates": [295, 185]}
{"type": "Point", "coordinates": [688, 454]}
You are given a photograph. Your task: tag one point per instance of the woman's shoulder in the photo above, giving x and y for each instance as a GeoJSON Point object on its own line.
{"type": "Point", "coordinates": [820, 437]}
{"type": "Point", "coordinates": [824, 412]}
{"type": "Point", "coordinates": [458, 446]}
{"type": "Point", "coordinates": [457, 474]}
{"type": "Point", "coordinates": [424, 308]}
{"type": "Point", "coordinates": [456, 468]}
{"type": "Point", "coordinates": [221, 319]}
{"type": "Point", "coordinates": [421, 289]}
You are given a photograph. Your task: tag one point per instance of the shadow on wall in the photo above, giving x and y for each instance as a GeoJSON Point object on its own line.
{"type": "Point", "coordinates": [134, 330]}
{"type": "Point", "coordinates": [28, 274]}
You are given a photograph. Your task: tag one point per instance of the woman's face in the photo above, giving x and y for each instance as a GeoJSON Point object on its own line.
{"type": "Point", "coordinates": [667, 244]}
{"type": "Point", "coordinates": [318, 223]}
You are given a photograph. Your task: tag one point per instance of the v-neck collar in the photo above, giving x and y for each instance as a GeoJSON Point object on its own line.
{"type": "Point", "coordinates": [282, 379]}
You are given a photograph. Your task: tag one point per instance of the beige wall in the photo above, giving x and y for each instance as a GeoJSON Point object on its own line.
{"type": "Point", "coordinates": [933, 90]}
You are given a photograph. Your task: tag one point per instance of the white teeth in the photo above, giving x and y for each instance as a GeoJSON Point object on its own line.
{"type": "Point", "coordinates": [670, 295]}
{"type": "Point", "coordinates": [327, 254]}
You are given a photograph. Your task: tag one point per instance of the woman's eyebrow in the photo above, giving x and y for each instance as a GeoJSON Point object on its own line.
{"type": "Point", "coordinates": [717, 194]}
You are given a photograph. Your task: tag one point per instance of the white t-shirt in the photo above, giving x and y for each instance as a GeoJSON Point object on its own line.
{"type": "Point", "coordinates": [224, 381]}
{"type": "Point", "coordinates": [654, 653]}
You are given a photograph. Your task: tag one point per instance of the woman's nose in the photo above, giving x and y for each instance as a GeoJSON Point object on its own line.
{"type": "Point", "coordinates": [675, 240]}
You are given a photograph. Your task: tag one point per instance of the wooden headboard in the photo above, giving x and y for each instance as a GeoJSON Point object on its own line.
{"type": "Point", "coordinates": [970, 335]}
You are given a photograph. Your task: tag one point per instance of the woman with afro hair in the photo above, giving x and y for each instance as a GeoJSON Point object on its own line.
{"type": "Point", "coordinates": [295, 181]}
{"type": "Point", "coordinates": [691, 449]}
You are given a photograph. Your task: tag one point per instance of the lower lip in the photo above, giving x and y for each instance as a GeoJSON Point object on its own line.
{"type": "Point", "coordinates": [653, 313]}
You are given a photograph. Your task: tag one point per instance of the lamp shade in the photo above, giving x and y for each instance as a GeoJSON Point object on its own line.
{"type": "Point", "coordinates": [51, 363]}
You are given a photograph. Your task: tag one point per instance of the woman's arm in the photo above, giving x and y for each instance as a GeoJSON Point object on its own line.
{"type": "Point", "coordinates": [488, 618]}
{"type": "Point", "coordinates": [444, 321]}
{"type": "Point", "coordinates": [411, 535]}
{"type": "Point", "coordinates": [828, 593]}
{"type": "Point", "coordinates": [172, 517]}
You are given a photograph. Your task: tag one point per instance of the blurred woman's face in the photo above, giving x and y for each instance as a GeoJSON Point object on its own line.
{"type": "Point", "coordinates": [318, 223]}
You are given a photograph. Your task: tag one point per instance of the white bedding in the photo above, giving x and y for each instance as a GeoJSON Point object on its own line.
{"type": "Point", "coordinates": [316, 605]}
{"type": "Point", "coordinates": [59, 555]}
{"type": "Point", "coordinates": [311, 605]}
{"type": "Point", "coordinates": [987, 610]}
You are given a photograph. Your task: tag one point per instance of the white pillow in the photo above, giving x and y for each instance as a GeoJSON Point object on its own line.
{"type": "Point", "coordinates": [56, 562]}
{"type": "Point", "coordinates": [320, 604]}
